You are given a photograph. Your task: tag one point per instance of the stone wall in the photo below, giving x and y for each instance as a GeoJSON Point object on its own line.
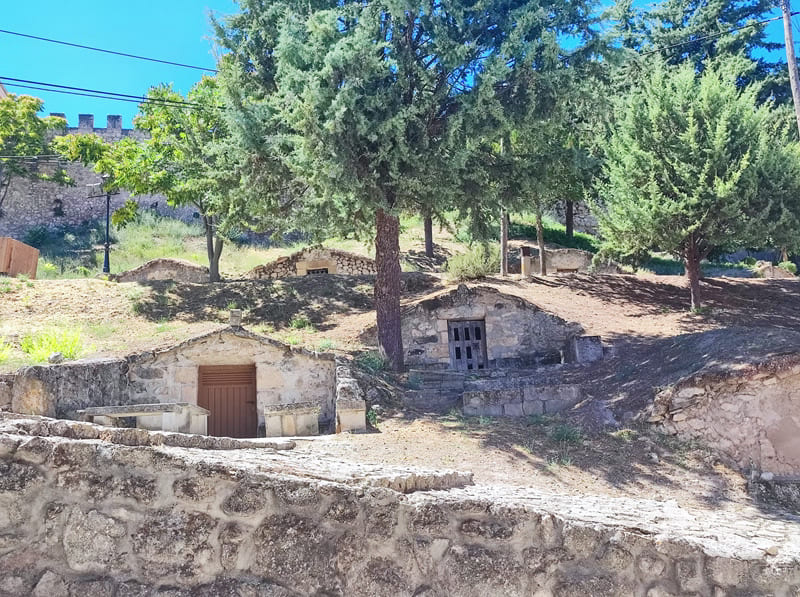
{"type": "Point", "coordinates": [521, 400]}
{"type": "Point", "coordinates": [315, 258]}
{"type": "Point", "coordinates": [750, 414]}
{"type": "Point", "coordinates": [517, 332]}
{"type": "Point", "coordinates": [284, 374]}
{"type": "Point", "coordinates": [582, 218]}
{"type": "Point", "coordinates": [563, 260]}
{"type": "Point", "coordinates": [30, 204]}
{"type": "Point", "coordinates": [89, 518]}
{"type": "Point", "coordinates": [179, 270]}
{"type": "Point", "coordinates": [61, 390]}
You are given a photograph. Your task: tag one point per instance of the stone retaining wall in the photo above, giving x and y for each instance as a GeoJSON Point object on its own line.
{"type": "Point", "coordinates": [83, 517]}
{"type": "Point", "coordinates": [522, 400]}
{"type": "Point", "coordinates": [178, 270]}
{"type": "Point", "coordinates": [315, 258]}
{"type": "Point", "coordinates": [750, 414]}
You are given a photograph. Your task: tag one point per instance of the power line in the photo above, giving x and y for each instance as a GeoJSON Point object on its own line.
{"type": "Point", "coordinates": [714, 35]}
{"type": "Point", "coordinates": [96, 93]}
{"type": "Point", "coordinates": [66, 43]}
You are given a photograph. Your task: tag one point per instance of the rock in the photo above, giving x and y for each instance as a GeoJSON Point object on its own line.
{"type": "Point", "coordinates": [55, 358]}
{"type": "Point", "coordinates": [767, 476]}
{"type": "Point", "coordinates": [653, 457]}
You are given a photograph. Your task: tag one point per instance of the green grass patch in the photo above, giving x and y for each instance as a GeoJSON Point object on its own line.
{"type": "Point", "coordinates": [524, 227]}
{"type": "Point", "coordinates": [5, 350]}
{"type": "Point", "coordinates": [371, 360]}
{"type": "Point", "coordinates": [40, 345]}
{"type": "Point", "coordinates": [301, 322]}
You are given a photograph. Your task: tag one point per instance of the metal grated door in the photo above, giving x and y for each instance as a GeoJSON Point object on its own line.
{"type": "Point", "coordinates": [467, 340]}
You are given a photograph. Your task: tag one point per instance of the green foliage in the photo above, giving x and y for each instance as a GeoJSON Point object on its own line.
{"type": "Point", "coordinates": [40, 345]}
{"type": "Point", "coordinates": [749, 261]}
{"type": "Point", "coordinates": [788, 266]}
{"type": "Point", "coordinates": [555, 233]}
{"type": "Point", "coordinates": [325, 345]}
{"type": "Point", "coordinates": [24, 133]}
{"type": "Point", "coordinates": [371, 361]}
{"type": "Point", "coordinates": [372, 417]}
{"type": "Point", "coordinates": [684, 166]}
{"type": "Point", "coordinates": [301, 322]}
{"type": "Point", "coordinates": [567, 434]}
{"type": "Point", "coordinates": [480, 261]}
{"type": "Point", "coordinates": [126, 214]}
{"type": "Point", "coordinates": [5, 350]}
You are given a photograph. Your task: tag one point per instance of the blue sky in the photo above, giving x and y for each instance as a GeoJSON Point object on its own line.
{"type": "Point", "coordinates": [175, 30]}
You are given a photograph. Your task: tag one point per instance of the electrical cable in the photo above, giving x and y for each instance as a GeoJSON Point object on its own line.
{"type": "Point", "coordinates": [714, 35]}
{"type": "Point", "coordinates": [99, 94]}
{"type": "Point", "coordinates": [83, 47]}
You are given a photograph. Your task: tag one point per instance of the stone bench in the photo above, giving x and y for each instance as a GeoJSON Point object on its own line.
{"type": "Point", "coordinates": [286, 420]}
{"type": "Point", "coordinates": [179, 417]}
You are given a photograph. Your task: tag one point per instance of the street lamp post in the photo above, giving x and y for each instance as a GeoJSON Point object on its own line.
{"type": "Point", "coordinates": [108, 193]}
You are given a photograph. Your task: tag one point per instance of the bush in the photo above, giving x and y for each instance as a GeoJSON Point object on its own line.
{"type": "Point", "coordinates": [567, 434]}
{"type": "Point", "coordinates": [301, 322]}
{"type": "Point", "coordinates": [749, 261]}
{"type": "Point", "coordinates": [372, 361]}
{"type": "Point", "coordinates": [42, 344]}
{"type": "Point", "coordinates": [478, 262]}
{"type": "Point", "coordinates": [788, 266]}
{"type": "Point", "coordinates": [555, 233]}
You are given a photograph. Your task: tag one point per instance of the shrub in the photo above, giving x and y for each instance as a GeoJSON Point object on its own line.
{"type": "Point", "coordinates": [301, 322]}
{"type": "Point", "coordinates": [749, 261]}
{"type": "Point", "coordinates": [480, 261]}
{"type": "Point", "coordinates": [567, 434]}
{"type": "Point", "coordinates": [372, 361]}
{"type": "Point", "coordinates": [788, 266]}
{"type": "Point", "coordinates": [372, 417]}
{"type": "Point", "coordinates": [42, 344]}
{"type": "Point", "coordinates": [326, 344]}
{"type": "Point", "coordinates": [5, 350]}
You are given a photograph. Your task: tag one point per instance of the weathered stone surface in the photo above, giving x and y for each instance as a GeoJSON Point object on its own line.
{"type": "Point", "coordinates": [749, 414]}
{"type": "Point", "coordinates": [92, 541]}
{"type": "Point", "coordinates": [523, 400]}
{"type": "Point", "coordinates": [517, 332]}
{"type": "Point", "coordinates": [253, 522]}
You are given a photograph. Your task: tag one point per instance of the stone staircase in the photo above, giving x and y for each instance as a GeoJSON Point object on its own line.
{"type": "Point", "coordinates": [435, 390]}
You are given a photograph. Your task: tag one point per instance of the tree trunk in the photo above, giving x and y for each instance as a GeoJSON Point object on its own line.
{"type": "Point", "coordinates": [692, 263]}
{"type": "Point", "coordinates": [569, 218]}
{"type": "Point", "coordinates": [540, 240]}
{"type": "Point", "coordinates": [791, 61]}
{"type": "Point", "coordinates": [387, 288]}
{"type": "Point", "coordinates": [503, 243]}
{"type": "Point", "coordinates": [213, 252]}
{"type": "Point", "coordinates": [428, 225]}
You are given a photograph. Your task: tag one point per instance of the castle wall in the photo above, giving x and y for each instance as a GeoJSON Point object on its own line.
{"type": "Point", "coordinates": [30, 204]}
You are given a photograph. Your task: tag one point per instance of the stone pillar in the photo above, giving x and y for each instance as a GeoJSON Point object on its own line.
{"type": "Point", "coordinates": [525, 261]}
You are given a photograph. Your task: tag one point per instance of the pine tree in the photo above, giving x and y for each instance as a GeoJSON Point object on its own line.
{"type": "Point", "coordinates": [687, 167]}
{"type": "Point", "coordinates": [374, 104]}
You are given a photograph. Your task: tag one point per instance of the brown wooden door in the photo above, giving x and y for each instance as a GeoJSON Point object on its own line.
{"type": "Point", "coordinates": [467, 340]}
{"type": "Point", "coordinates": [229, 392]}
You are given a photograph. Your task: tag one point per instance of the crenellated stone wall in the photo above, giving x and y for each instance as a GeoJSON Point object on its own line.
{"type": "Point", "coordinates": [30, 204]}
{"type": "Point", "coordinates": [315, 258]}
{"type": "Point", "coordinates": [749, 413]}
{"type": "Point", "coordinates": [89, 517]}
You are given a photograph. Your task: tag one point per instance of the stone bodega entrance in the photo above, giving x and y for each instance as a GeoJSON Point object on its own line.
{"type": "Point", "coordinates": [229, 392]}
{"type": "Point", "coordinates": [467, 341]}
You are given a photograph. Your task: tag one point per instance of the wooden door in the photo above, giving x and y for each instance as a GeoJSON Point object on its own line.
{"type": "Point", "coordinates": [467, 340]}
{"type": "Point", "coordinates": [229, 392]}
